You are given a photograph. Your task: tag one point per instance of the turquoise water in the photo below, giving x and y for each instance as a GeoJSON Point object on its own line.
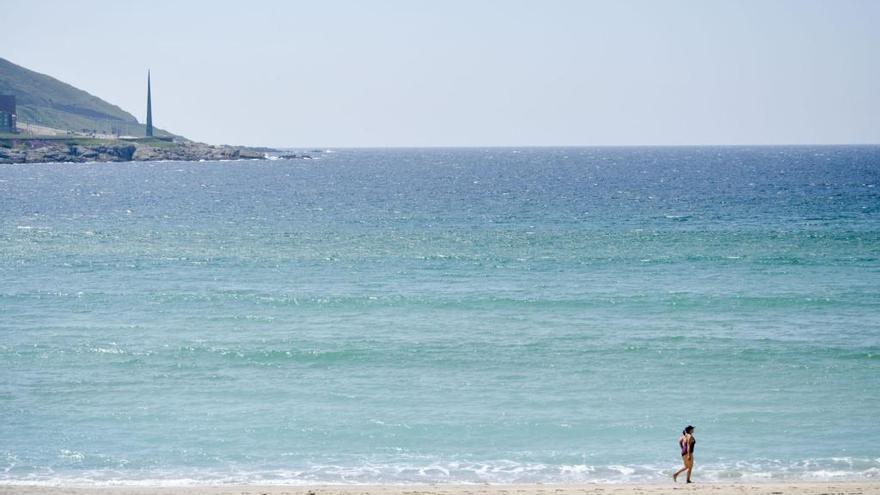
{"type": "Point", "coordinates": [445, 315]}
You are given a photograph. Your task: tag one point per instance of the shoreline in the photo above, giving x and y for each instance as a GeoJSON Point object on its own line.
{"type": "Point", "coordinates": [751, 488]}
{"type": "Point", "coordinates": [87, 150]}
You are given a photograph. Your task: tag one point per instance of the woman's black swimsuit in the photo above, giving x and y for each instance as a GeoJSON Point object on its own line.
{"type": "Point", "coordinates": [683, 443]}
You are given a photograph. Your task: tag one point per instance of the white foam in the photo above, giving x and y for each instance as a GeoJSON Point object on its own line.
{"type": "Point", "coordinates": [502, 471]}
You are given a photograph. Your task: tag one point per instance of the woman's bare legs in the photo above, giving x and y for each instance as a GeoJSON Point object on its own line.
{"type": "Point", "coordinates": [685, 468]}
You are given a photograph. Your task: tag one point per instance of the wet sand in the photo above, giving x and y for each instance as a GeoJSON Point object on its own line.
{"type": "Point", "coordinates": [794, 488]}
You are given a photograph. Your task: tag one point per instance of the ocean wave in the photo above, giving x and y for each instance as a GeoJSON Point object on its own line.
{"type": "Point", "coordinates": [456, 472]}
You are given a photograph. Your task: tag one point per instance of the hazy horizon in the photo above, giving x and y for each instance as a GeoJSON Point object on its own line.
{"type": "Point", "coordinates": [456, 74]}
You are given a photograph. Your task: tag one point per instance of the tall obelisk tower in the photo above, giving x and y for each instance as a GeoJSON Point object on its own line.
{"type": "Point", "coordinates": [149, 109]}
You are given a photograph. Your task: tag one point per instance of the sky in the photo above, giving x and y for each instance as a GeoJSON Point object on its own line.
{"type": "Point", "coordinates": [337, 73]}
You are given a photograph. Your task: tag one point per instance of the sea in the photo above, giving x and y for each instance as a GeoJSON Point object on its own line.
{"type": "Point", "coordinates": [408, 316]}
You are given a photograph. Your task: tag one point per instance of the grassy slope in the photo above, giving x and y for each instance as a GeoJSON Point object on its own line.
{"type": "Point", "coordinates": [47, 101]}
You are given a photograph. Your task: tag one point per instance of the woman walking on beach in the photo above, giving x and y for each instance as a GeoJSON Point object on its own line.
{"type": "Point", "coordinates": [687, 442]}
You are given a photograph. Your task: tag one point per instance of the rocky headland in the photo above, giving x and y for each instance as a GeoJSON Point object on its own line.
{"type": "Point", "coordinates": [37, 150]}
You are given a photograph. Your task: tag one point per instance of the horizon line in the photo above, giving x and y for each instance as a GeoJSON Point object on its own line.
{"type": "Point", "coordinates": [506, 146]}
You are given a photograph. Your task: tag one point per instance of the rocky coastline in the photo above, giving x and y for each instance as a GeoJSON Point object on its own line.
{"type": "Point", "coordinates": [36, 150]}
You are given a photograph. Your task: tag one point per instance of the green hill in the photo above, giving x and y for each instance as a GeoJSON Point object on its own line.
{"type": "Point", "coordinates": [46, 101]}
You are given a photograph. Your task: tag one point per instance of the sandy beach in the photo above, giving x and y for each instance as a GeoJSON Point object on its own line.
{"type": "Point", "coordinates": [796, 488]}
